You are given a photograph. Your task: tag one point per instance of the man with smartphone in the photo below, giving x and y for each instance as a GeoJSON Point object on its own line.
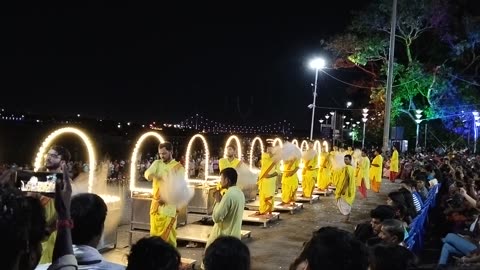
{"type": "Point", "coordinates": [56, 159]}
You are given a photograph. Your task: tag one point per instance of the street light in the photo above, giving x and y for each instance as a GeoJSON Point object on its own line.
{"type": "Point", "coordinates": [317, 64]}
{"type": "Point", "coordinates": [349, 103]}
{"type": "Point", "coordinates": [321, 125]}
{"type": "Point", "coordinates": [364, 120]}
{"type": "Point", "coordinates": [418, 115]}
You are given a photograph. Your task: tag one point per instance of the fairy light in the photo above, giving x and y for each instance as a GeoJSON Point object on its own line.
{"type": "Point", "coordinates": [252, 147]}
{"type": "Point", "coordinates": [239, 146]}
{"type": "Point", "coordinates": [189, 147]}
{"type": "Point", "coordinates": [304, 145]}
{"type": "Point", "coordinates": [295, 142]}
{"type": "Point", "coordinates": [133, 163]}
{"type": "Point", "coordinates": [86, 141]}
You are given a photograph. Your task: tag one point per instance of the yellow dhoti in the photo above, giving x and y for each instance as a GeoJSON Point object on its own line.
{"type": "Point", "coordinates": [267, 187]}
{"type": "Point", "coordinates": [308, 182]}
{"type": "Point", "coordinates": [289, 189]}
{"type": "Point", "coordinates": [163, 223]}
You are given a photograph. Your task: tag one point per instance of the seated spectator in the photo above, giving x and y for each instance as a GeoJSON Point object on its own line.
{"type": "Point", "coordinates": [392, 232]}
{"type": "Point", "coordinates": [364, 232]}
{"type": "Point", "coordinates": [227, 253]}
{"type": "Point", "coordinates": [153, 253]}
{"type": "Point", "coordinates": [388, 257]}
{"type": "Point", "coordinates": [334, 249]}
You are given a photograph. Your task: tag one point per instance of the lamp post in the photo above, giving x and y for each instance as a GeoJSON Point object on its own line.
{"type": "Point", "coordinates": [418, 115]}
{"type": "Point", "coordinates": [364, 120]}
{"type": "Point", "coordinates": [321, 125]}
{"type": "Point", "coordinates": [317, 64]}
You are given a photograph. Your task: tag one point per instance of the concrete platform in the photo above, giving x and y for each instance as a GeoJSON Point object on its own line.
{"type": "Point", "coordinates": [316, 191]}
{"type": "Point", "coordinates": [276, 206]}
{"type": "Point", "coordinates": [249, 216]}
{"type": "Point", "coordinates": [299, 198]}
{"type": "Point", "coordinates": [199, 233]}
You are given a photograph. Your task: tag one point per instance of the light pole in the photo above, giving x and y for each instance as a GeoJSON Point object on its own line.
{"type": "Point", "coordinates": [364, 120]}
{"type": "Point", "coordinates": [418, 115]}
{"type": "Point", "coordinates": [321, 126]}
{"type": "Point", "coordinates": [317, 64]}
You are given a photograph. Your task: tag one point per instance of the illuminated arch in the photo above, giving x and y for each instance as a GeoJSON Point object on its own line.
{"type": "Point", "coordinates": [86, 141]}
{"type": "Point", "coordinates": [256, 139]}
{"type": "Point", "coordinates": [295, 142]}
{"type": "Point", "coordinates": [278, 141]}
{"type": "Point", "coordinates": [133, 161]}
{"type": "Point", "coordinates": [325, 145]}
{"type": "Point", "coordinates": [318, 147]}
{"type": "Point", "coordinates": [304, 145]}
{"type": "Point", "coordinates": [187, 157]}
{"type": "Point", "coordinates": [237, 142]}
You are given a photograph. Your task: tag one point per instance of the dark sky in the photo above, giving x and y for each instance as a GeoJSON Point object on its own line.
{"type": "Point", "coordinates": [145, 63]}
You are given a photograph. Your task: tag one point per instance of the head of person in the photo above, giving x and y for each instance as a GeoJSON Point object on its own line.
{"type": "Point", "coordinates": [269, 148]}
{"type": "Point", "coordinates": [89, 212]}
{"type": "Point", "coordinates": [347, 159]}
{"type": "Point", "coordinates": [165, 151]}
{"type": "Point", "coordinates": [378, 151]}
{"type": "Point", "coordinates": [392, 232]}
{"type": "Point", "coordinates": [57, 156]}
{"type": "Point", "coordinates": [228, 177]}
{"type": "Point", "coordinates": [409, 184]}
{"type": "Point", "coordinates": [364, 153]}
{"type": "Point", "coordinates": [395, 198]}
{"type": "Point", "coordinates": [394, 148]}
{"type": "Point", "coordinates": [227, 252]}
{"type": "Point", "coordinates": [378, 215]}
{"type": "Point", "coordinates": [153, 253]}
{"type": "Point", "coordinates": [349, 148]}
{"type": "Point", "coordinates": [231, 151]}
{"type": "Point", "coordinates": [391, 257]}
{"type": "Point", "coordinates": [332, 248]}
{"type": "Point", "coordinates": [311, 145]}
{"type": "Point", "coordinates": [22, 230]}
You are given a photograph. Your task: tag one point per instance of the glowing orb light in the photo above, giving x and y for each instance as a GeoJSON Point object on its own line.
{"type": "Point", "coordinates": [256, 139]}
{"type": "Point", "coordinates": [187, 156]}
{"type": "Point", "coordinates": [295, 142]}
{"type": "Point", "coordinates": [68, 130]}
{"type": "Point", "coordinates": [237, 142]}
{"type": "Point", "coordinates": [133, 163]}
{"type": "Point", "coordinates": [304, 145]}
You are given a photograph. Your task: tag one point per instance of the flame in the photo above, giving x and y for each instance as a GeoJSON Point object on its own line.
{"type": "Point", "coordinates": [68, 130]}
{"type": "Point", "coordinates": [133, 163]}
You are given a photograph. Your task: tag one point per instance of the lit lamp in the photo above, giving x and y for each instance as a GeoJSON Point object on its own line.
{"type": "Point", "coordinates": [321, 125]}
{"type": "Point", "coordinates": [364, 120]}
{"type": "Point", "coordinates": [316, 64]}
{"type": "Point", "coordinates": [418, 115]}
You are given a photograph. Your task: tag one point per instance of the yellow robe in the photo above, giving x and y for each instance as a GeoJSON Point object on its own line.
{"type": "Point", "coordinates": [363, 169]}
{"type": "Point", "coordinates": [309, 176]}
{"type": "Point", "coordinates": [346, 187]}
{"type": "Point", "coordinates": [394, 162]}
{"type": "Point", "coordinates": [267, 186]}
{"type": "Point", "coordinates": [51, 218]}
{"type": "Point", "coordinates": [228, 215]}
{"type": "Point", "coordinates": [324, 172]}
{"type": "Point", "coordinates": [224, 163]}
{"type": "Point", "coordinates": [376, 173]}
{"type": "Point", "coordinates": [289, 183]}
{"type": "Point", "coordinates": [163, 218]}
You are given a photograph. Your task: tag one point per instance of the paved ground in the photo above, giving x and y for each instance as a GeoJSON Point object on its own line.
{"type": "Point", "coordinates": [277, 246]}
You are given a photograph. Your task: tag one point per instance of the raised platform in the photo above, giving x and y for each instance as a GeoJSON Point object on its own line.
{"type": "Point", "coordinates": [249, 216]}
{"type": "Point", "coordinates": [199, 233]}
{"type": "Point", "coordinates": [299, 198]}
{"type": "Point", "coordinates": [316, 191]}
{"type": "Point", "coordinates": [276, 206]}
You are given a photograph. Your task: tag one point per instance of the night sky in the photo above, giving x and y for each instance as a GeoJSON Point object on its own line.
{"type": "Point", "coordinates": [158, 63]}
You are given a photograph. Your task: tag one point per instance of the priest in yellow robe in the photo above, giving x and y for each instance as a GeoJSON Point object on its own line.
{"type": "Point", "coordinates": [362, 174]}
{"type": "Point", "coordinates": [310, 170]}
{"type": "Point", "coordinates": [163, 217]}
{"type": "Point", "coordinates": [290, 181]}
{"type": "Point", "coordinates": [346, 188]}
{"type": "Point", "coordinates": [376, 171]}
{"type": "Point", "coordinates": [324, 172]}
{"type": "Point", "coordinates": [267, 182]}
{"type": "Point", "coordinates": [394, 165]}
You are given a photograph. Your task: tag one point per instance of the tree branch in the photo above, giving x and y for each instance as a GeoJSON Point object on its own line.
{"type": "Point", "coordinates": [407, 113]}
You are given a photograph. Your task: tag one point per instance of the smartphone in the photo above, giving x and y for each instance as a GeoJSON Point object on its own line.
{"type": "Point", "coordinates": [39, 182]}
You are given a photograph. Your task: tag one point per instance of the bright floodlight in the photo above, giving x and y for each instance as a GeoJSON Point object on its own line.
{"type": "Point", "coordinates": [317, 63]}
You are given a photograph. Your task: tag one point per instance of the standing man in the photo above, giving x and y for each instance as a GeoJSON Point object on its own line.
{"type": "Point", "coordinates": [267, 182]}
{"type": "Point", "coordinates": [310, 170]}
{"type": "Point", "coordinates": [56, 159]}
{"type": "Point", "coordinates": [290, 181]}
{"type": "Point", "coordinates": [394, 165]}
{"type": "Point", "coordinates": [163, 217]}
{"type": "Point", "coordinates": [363, 179]}
{"type": "Point", "coordinates": [345, 191]}
{"type": "Point", "coordinates": [228, 211]}
{"type": "Point", "coordinates": [230, 161]}
{"type": "Point", "coordinates": [376, 171]}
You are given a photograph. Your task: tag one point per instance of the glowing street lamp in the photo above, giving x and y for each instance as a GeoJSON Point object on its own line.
{"type": "Point", "coordinates": [364, 120]}
{"type": "Point", "coordinates": [349, 103]}
{"type": "Point", "coordinates": [418, 115]}
{"type": "Point", "coordinates": [317, 64]}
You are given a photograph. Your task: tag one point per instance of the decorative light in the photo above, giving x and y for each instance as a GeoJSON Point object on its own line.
{"type": "Point", "coordinates": [68, 130]}
{"type": "Point", "coordinates": [239, 146]}
{"type": "Point", "coordinates": [295, 142]}
{"type": "Point", "coordinates": [304, 145]}
{"type": "Point", "coordinates": [133, 161]}
{"type": "Point", "coordinates": [325, 145]}
{"type": "Point", "coordinates": [365, 110]}
{"type": "Point", "coordinates": [187, 157]}
{"type": "Point", "coordinates": [252, 148]}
